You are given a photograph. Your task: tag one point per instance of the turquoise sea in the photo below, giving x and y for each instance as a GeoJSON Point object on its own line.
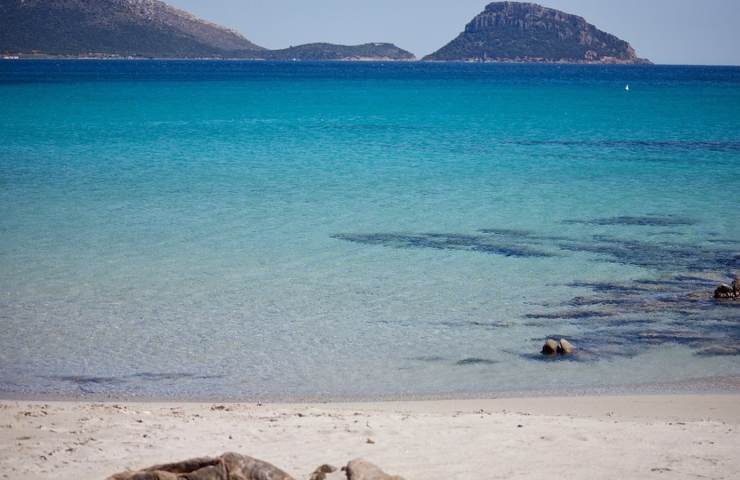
{"type": "Point", "coordinates": [244, 230]}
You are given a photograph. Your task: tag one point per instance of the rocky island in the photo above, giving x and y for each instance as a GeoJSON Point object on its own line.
{"type": "Point", "coordinates": [329, 51]}
{"type": "Point", "coordinates": [503, 32]}
{"type": "Point", "coordinates": [146, 29]}
{"type": "Point", "coordinates": [527, 32]}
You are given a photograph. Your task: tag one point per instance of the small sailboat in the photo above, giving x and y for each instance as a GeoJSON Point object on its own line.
{"type": "Point", "coordinates": [627, 88]}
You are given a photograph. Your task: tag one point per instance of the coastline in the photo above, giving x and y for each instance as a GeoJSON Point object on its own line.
{"type": "Point", "coordinates": [16, 58]}
{"type": "Point", "coordinates": [646, 436]}
{"type": "Point", "coordinates": [713, 385]}
{"type": "Point", "coordinates": [23, 56]}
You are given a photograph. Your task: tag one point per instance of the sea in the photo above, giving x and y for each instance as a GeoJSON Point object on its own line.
{"type": "Point", "coordinates": [365, 230]}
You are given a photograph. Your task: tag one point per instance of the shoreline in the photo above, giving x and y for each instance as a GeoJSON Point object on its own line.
{"type": "Point", "coordinates": [21, 57]}
{"type": "Point", "coordinates": [713, 385]}
{"type": "Point", "coordinates": [723, 407]}
{"type": "Point", "coordinates": [646, 436]}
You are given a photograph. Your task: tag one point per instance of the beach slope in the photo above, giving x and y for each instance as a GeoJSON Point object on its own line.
{"type": "Point", "coordinates": [689, 436]}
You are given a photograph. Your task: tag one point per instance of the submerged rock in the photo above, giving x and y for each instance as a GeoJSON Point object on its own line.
{"type": "Point", "coordinates": [550, 347]}
{"type": "Point", "coordinates": [362, 470]}
{"type": "Point", "coordinates": [475, 361]}
{"type": "Point", "coordinates": [226, 467]}
{"type": "Point", "coordinates": [720, 351]}
{"type": "Point", "coordinates": [565, 347]}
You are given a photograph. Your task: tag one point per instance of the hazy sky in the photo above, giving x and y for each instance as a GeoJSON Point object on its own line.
{"type": "Point", "coordinates": [665, 31]}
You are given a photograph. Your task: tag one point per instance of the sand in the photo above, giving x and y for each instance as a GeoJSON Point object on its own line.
{"type": "Point", "coordinates": [671, 436]}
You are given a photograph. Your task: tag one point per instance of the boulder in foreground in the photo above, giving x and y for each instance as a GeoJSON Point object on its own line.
{"type": "Point", "coordinates": [327, 472]}
{"type": "Point", "coordinates": [232, 466]}
{"type": "Point", "coordinates": [362, 470]}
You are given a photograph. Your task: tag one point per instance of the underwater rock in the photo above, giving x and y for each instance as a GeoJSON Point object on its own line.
{"type": "Point", "coordinates": [565, 347]}
{"type": "Point", "coordinates": [475, 361]}
{"type": "Point", "coordinates": [447, 241]}
{"type": "Point", "coordinates": [720, 351]}
{"type": "Point", "coordinates": [362, 470]}
{"type": "Point", "coordinates": [550, 347]}
{"type": "Point", "coordinates": [638, 221]}
{"type": "Point", "coordinates": [226, 467]}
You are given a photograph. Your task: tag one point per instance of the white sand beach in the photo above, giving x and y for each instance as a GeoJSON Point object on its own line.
{"type": "Point", "coordinates": [670, 436]}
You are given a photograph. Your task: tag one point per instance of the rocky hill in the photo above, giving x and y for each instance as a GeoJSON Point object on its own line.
{"type": "Point", "coordinates": [526, 32]}
{"type": "Point", "coordinates": [328, 51]}
{"type": "Point", "coordinates": [142, 28]}
{"type": "Point", "coordinates": [146, 29]}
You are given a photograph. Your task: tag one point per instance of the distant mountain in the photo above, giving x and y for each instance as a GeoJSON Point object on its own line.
{"type": "Point", "coordinates": [145, 28]}
{"type": "Point", "coordinates": [526, 32]}
{"type": "Point", "coordinates": [328, 51]}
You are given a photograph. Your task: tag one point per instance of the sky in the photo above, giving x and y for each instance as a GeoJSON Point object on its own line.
{"type": "Point", "coordinates": [704, 32]}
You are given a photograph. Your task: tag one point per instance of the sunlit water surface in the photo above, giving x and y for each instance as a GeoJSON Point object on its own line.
{"type": "Point", "coordinates": [244, 230]}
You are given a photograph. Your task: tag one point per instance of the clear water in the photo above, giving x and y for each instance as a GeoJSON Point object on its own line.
{"type": "Point", "coordinates": [242, 230]}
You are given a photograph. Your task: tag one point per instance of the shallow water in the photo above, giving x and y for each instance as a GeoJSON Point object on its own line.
{"type": "Point", "coordinates": [242, 230]}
